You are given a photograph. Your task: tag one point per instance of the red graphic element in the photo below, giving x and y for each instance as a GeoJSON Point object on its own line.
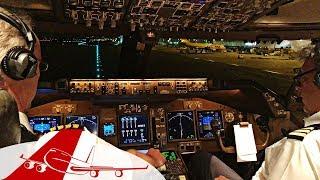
{"type": "Point", "coordinates": [53, 159]}
{"type": "Point", "coordinates": [94, 170]}
{"type": "Point", "coordinates": [64, 141]}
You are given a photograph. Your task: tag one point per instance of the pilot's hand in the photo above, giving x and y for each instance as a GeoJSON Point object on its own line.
{"type": "Point", "coordinates": [221, 178]}
{"type": "Point", "coordinates": [157, 156]}
{"type": "Point", "coordinates": [153, 156]}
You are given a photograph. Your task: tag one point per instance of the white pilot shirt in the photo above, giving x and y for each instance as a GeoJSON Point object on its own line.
{"type": "Point", "coordinates": [293, 159]}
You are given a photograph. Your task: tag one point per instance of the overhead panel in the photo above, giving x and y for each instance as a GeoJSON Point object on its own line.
{"type": "Point", "coordinates": [165, 15]}
{"type": "Point", "coordinates": [227, 15]}
{"type": "Point", "coordinates": [168, 15]}
{"type": "Point", "coordinates": [101, 13]}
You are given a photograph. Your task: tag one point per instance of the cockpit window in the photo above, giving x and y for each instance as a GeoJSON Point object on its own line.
{"type": "Point", "coordinates": [272, 64]}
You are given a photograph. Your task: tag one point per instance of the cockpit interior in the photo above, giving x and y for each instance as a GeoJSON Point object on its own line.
{"type": "Point", "coordinates": [172, 75]}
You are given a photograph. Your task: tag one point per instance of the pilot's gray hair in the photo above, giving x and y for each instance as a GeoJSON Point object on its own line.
{"type": "Point", "coordinates": [9, 35]}
{"type": "Point", "coordinates": [10, 132]}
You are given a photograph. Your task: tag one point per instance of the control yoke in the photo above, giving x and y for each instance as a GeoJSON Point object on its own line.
{"type": "Point", "coordinates": [232, 149]}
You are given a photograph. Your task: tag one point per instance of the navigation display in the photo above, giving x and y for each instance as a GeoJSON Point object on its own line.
{"type": "Point", "coordinates": [109, 129]}
{"type": "Point", "coordinates": [204, 122]}
{"type": "Point", "coordinates": [42, 124]}
{"type": "Point", "coordinates": [181, 126]}
{"type": "Point", "coordinates": [88, 121]}
{"type": "Point", "coordinates": [133, 129]}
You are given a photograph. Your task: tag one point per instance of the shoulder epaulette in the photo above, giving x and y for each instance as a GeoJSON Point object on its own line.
{"type": "Point", "coordinates": [67, 126]}
{"type": "Point", "coordinates": [299, 134]}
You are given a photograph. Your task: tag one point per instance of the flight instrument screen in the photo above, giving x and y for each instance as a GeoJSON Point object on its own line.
{"type": "Point", "coordinates": [42, 124]}
{"type": "Point", "coordinates": [109, 129]}
{"type": "Point", "coordinates": [181, 125]}
{"type": "Point", "coordinates": [207, 119]}
{"type": "Point", "coordinates": [133, 129]}
{"type": "Point", "coordinates": [88, 121]}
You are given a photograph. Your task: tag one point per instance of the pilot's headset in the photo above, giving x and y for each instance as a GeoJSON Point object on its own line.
{"type": "Point", "coordinates": [316, 59]}
{"type": "Point", "coordinates": [20, 63]}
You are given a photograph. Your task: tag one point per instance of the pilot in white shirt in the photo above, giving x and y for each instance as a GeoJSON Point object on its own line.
{"type": "Point", "coordinates": [292, 158]}
{"type": "Point", "coordinates": [298, 155]}
{"type": "Point", "coordinates": [22, 92]}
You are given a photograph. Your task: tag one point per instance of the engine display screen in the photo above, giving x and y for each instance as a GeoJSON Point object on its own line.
{"type": "Point", "coordinates": [181, 126]}
{"type": "Point", "coordinates": [42, 124]}
{"type": "Point", "coordinates": [88, 121]}
{"type": "Point", "coordinates": [133, 129]}
{"type": "Point", "coordinates": [205, 120]}
{"type": "Point", "coordinates": [109, 129]}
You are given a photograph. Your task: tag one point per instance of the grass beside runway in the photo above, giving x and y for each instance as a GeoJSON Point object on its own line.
{"type": "Point", "coordinates": [274, 64]}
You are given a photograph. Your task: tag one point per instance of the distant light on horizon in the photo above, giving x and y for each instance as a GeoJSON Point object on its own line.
{"type": "Point", "coordinates": [250, 43]}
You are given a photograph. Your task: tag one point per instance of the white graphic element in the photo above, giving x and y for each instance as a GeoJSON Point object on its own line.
{"type": "Point", "coordinates": [52, 155]}
{"type": "Point", "coordinates": [76, 169]}
{"type": "Point", "coordinates": [30, 164]}
{"type": "Point", "coordinates": [104, 152]}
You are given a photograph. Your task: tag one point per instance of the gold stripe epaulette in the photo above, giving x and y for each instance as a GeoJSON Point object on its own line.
{"type": "Point", "coordinates": [299, 134]}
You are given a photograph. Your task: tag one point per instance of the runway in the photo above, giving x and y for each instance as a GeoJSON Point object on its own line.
{"type": "Point", "coordinates": [275, 73]}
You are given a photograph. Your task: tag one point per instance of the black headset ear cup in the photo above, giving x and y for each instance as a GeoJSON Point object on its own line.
{"type": "Point", "coordinates": [19, 63]}
{"type": "Point", "coordinates": [10, 68]}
